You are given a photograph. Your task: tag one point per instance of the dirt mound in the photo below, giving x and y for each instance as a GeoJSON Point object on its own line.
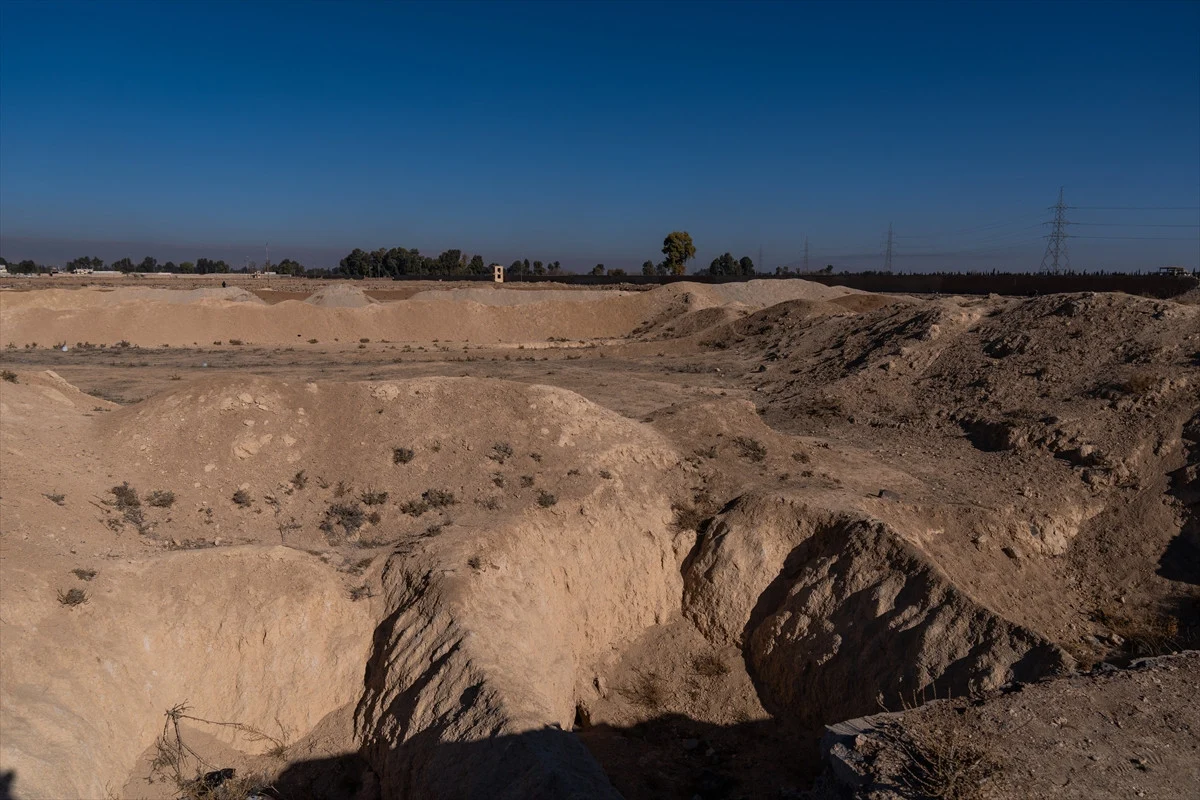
{"type": "Point", "coordinates": [1130, 738]}
{"type": "Point", "coordinates": [512, 296]}
{"type": "Point", "coordinates": [343, 314]}
{"type": "Point", "coordinates": [828, 605]}
{"type": "Point", "coordinates": [339, 295]}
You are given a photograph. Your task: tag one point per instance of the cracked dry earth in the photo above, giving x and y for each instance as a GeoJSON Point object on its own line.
{"type": "Point", "coordinates": [769, 540]}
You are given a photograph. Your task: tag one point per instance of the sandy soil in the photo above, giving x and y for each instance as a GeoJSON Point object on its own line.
{"type": "Point", "coordinates": [641, 544]}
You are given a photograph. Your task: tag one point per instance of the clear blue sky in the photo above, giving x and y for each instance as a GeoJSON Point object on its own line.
{"type": "Point", "coordinates": [586, 132]}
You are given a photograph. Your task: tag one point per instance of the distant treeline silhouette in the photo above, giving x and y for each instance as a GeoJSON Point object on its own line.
{"type": "Point", "coordinates": [399, 263]}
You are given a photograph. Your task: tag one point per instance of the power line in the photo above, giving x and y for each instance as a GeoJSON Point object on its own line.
{"type": "Point", "coordinates": [1131, 225]}
{"type": "Point", "coordinates": [887, 256]}
{"type": "Point", "coordinates": [1149, 238]}
{"type": "Point", "coordinates": [1137, 208]}
{"type": "Point", "coordinates": [1056, 240]}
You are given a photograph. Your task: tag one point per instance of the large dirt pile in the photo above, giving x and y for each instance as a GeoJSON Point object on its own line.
{"type": "Point", "coordinates": [339, 295]}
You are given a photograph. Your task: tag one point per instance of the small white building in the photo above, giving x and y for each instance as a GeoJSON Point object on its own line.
{"type": "Point", "coordinates": [498, 273]}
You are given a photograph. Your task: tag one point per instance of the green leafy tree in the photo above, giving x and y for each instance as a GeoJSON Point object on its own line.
{"type": "Point", "coordinates": [123, 265]}
{"type": "Point", "coordinates": [617, 273]}
{"type": "Point", "coordinates": [187, 267]}
{"type": "Point", "coordinates": [723, 265]}
{"type": "Point", "coordinates": [554, 268]}
{"type": "Point", "coordinates": [648, 268]}
{"type": "Point", "coordinates": [25, 267]}
{"type": "Point", "coordinates": [746, 266]}
{"type": "Point", "coordinates": [289, 266]}
{"type": "Point", "coordinates": [678, 249]}
{"type": "Point", "coordinates": [170, 267]}
{"type": "Point", "coordinates": [517, 269]}
{"type": "Point", "coordinates": [598, 269]}
{"type": "Point", "coordinates": [537, 269]}
{"type": "Point", "coordinates": [149, 264]}
{"type": "Point", "coordinates": [477, 267]}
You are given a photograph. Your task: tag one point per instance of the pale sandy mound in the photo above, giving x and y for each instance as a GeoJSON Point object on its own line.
{"type": "Point", "coordinates": [501, 296]}
{"type": "Point", "coordinates": [98, 317]}
{"type": "Point", "coordinates": [760, 293]}
{"type": "Point", "coordinates": [340, 295]}
{"type": "Point", "coordinates": [78, 299]}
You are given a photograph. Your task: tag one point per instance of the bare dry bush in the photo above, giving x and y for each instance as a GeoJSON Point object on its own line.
{"type": "Point", "coordinates": [943, 761]}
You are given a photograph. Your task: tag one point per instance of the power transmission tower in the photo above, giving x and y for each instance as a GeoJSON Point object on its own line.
{"type": "Point", "coordinates": [1056, 240]}
{"type": "Point", "coordinates": [761, 265]}
{"type": "Point", "coordinates": [887, 255]}
{"type": "Point", "coordinates": [806, 254]}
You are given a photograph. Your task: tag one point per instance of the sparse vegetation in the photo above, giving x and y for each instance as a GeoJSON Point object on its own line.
{"type": "Point", "coordinates": [8, 375]}
{"type": "Point", "coordinates": [300, 480]}
{"type": "Point", "coordinates": [943, 761]}
{"type": "Point", "coordinates": [437, 498]}
{"type": "Point", "coordinates": [545, 499]}
{"type": "Point", "coordinates": [371, 497]}
{"type": "Point", "coordinates": [402, 455]}
{"type": "Point", "coordinates": [349, 516]}
{"type": "Point", "coordinates": [58, 498]}
{"type": "Point", "coordinates": [709, 665]}
{"type": "Point", "coordinates": [605, 474]}
{"type": "Point", "coordinates": [526, 481]}
{"type": "Point", "coordinates": [750, 449]}
{"type": "Point", "coordinates": [83, 574]}
{"type": "Point", "coordinates": [361, 593]}
{"type": "Point", "coordinates": [501, 452]}
{"type": "Point", "coordinates": [646, 691]}
{"type": "Point", "coordinates": [161, 498]}
{"type": "Point", "coordinates": [126, 497]}
{"type": "Point", "coordinates": [72, 597]}
{"type": "Point", "coordinates": [242, 498]}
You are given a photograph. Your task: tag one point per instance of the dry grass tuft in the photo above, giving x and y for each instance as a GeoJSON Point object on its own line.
{"type": "Point", "coordinates": [72, 597]}
{"type": "Point", "coordinates": [83, 574]}
{"type": "Point", "coordinates": [242, 498]}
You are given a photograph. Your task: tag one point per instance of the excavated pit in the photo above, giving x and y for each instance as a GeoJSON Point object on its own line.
{"type": "Point", "coordinates": [465, 587]}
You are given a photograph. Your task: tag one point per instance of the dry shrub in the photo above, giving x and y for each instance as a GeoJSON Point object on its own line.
{"type": "Point", "coordinates": [501, 452]}
{"type": "Point", "coordinates": [546, 500]}
{"type": "Point", "coordinates": [73, 597]}
{"type": "Point", "coordinates": [9, 376]}
{"type": "Point", "coordinates": [751, 449]}
{"type": "Point", "coordinates": [58, 498]}
{"type": "Point", "coordinates": [371, 497]}
{"type": "Point", "coordinates": [943, 760]}
{"type": "Point", "coordinates": [126, 497]}
{"type": "Point", "coordinates": [526, 481]}
{"type": "Point", "coordinates": [402, 455]}
{"type": "Point", "coordinates": [438, 498]}
{"type": "Point", "coordinates": [242, 498]}
{"type": "Point", "coordinates": [300, 479]}
{"type": "Point", "coordinates": [1151, 634]}
{"type": "Point", "coordinates": [161, 498]}
{"type": "Point", "coordinates": [83, 574]}
{"type": "Point", "coordinates": [349, 515]}
{"type": "Point", "coordinates": [710, 665]}
{"type": "Point", "coordinates": [646, 691]}
{"type": "Point", "coordinates": [175, 761]}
